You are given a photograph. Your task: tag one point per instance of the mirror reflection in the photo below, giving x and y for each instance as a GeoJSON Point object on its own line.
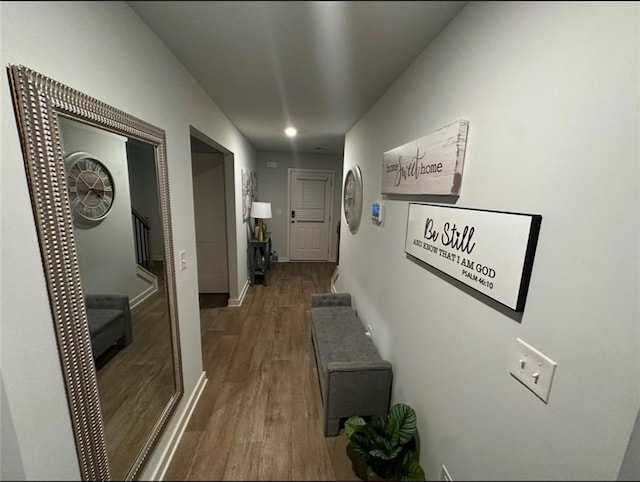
{"type": "Point", "coordinates": [113, 187]}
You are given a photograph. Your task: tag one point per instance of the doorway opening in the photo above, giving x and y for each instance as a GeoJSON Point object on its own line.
{"type": "Point", "coordinates": [211, 212]}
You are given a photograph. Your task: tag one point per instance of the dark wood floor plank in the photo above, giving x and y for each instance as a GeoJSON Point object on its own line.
{"type": "Point", "coordinates": [219, 434]}
{"type": "Point", "coordinates": [189, 444]}
{"type": "Point", "coordinates": [136, 382]}
{"type": "Point", "coordinates": [275, 461]}
{"type": "Point", "coordinates": [260, 414]}
{"type": "Point", "coordinates": [308, 439]}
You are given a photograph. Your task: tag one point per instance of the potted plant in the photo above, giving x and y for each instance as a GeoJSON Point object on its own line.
{"type": "Point", "coordinates": [387, 445]}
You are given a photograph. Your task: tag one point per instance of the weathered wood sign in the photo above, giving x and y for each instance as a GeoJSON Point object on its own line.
{"type": "Point", "coordinates": [490, 251]}
{"type": "Point", "coordinates": [430, 165]}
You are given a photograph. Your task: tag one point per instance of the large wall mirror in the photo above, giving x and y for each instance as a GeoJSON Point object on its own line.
{"type": "Point", "coordinates": [99, 189]}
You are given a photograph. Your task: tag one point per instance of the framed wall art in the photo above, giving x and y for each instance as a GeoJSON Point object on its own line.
{"type": "Point", "coordinates": [249, 191]}
{"type": "Point", "coordinates": [490, 251]}
{"type": "Point", "coordinates": [430, 165]}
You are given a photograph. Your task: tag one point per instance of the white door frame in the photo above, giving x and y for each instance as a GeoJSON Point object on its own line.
{"type": "Point", "coordinates": [331, 196]}
{"type": "Point", "coordinates": [229, 191]}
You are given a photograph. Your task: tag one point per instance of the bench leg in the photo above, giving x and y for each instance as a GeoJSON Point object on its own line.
{"type": "Point", "coordinates": [331, 427]}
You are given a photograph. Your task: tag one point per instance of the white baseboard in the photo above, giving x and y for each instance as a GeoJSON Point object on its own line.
{"type": "Point", "coordinates": [238, 302]}
{"type": "Point", "coordinates": [287, 260]}
{"type": "Point", "coordinates": [176, 436]}
{"type": "Point", "coordinates": [148, 277]}
{"type": "Point", "coordinates": [334, 278]}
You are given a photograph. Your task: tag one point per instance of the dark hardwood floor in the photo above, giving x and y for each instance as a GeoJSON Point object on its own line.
{"type": "Point", "coordinates": [260, 414]}
{"type": "Point", "coordinates": [213, 300]}
{"type": "Point", "coordinates": [136, 382]}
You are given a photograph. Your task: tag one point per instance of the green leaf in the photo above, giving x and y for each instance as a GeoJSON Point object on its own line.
{"type": "Point", "coordinates": [362, 444]}
{"type": "Point", "coordinates": [414, 472]}
{"type": "Point", "coordinates": [393, 432]}
{"type": "Point", "coordinates": [352, 424]}
{"type": "Point", "coordinates": [407, 420]}
{"type": "Point", "coordinates": [378, 425]}
{"type": "Point", "coordinates": [410, 468]}
{"type": "Point", "coordinates": [379, 442]}
{"type": "Point", "coordinates": [384, 443]}
{"type": "Point", "coordinates": [386, 454]}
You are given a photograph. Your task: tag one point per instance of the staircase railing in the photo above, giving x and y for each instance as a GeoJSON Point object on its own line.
{"type": "Point", "coordinates": [141, 229]}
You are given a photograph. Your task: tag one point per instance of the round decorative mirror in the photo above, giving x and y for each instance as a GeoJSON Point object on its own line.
{"type": "Point", "coordinates": [352, 198]}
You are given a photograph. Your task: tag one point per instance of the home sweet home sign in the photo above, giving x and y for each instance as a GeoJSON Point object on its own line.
{"type": "Point", "coordinates": [490, 251]}
{"type": "Point", "coordinates": [429, 165]}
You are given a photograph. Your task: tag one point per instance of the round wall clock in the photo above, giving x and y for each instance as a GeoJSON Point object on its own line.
{"type": "Point", "coordinates": [91, 188]}
{"type": "Point", "coordinates": [352, 198]}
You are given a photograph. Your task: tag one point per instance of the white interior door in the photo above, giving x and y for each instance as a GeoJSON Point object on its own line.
{"type": "Point", "coordinates": [310, 196]}
{"type": "Point", "coordinates": [211, 226]}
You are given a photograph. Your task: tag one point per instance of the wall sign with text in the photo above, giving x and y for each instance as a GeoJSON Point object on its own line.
{"type": "Point", "coordinates": [490, 251]}
{"type": "Point", "coordinates": [429, 165]}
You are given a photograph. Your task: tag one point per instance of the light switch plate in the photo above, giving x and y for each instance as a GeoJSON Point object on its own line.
{"type": "Point", "coordinates": [534, 369]}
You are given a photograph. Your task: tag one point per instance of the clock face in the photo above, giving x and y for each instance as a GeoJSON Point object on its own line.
{"type": "Point", "coordinates": [352, 198]}
{"type": "Point", "coordinates": [91, 188]}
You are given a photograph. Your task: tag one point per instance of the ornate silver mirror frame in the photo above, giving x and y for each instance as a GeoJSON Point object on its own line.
{"type": "Point", "coordinates": [38, 101]}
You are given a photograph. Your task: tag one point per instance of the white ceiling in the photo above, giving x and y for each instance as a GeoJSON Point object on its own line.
{"type": "Point", "coordinates": [316, 65]}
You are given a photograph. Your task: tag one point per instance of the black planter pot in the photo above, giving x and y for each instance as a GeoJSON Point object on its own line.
{"type": "Point", "coordinates": [358, 465]}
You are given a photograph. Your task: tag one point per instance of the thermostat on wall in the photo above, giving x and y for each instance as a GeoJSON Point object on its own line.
{"type": "Point", "coordinates": [377, 212]}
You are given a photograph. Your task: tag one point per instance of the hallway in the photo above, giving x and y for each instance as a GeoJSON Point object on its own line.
{"type": "Point", "coordinates": [259, 416]}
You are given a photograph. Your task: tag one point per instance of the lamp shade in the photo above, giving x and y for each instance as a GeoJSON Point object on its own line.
{"type": "Point", "coordinates": [260, 210]}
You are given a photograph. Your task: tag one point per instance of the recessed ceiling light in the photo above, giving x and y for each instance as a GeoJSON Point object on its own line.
{"type": "Point", "coordinates": [291, 131]}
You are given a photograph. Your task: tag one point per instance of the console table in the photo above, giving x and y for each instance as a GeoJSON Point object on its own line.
{"type": "Point", "coordinates": [259, 258]}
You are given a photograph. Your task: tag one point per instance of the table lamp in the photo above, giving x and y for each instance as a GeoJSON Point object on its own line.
{"type": "Point", "coordinates": [260, 211]}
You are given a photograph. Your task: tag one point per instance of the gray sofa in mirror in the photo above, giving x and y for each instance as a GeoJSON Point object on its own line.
{"type": "Point", "coordinates": [109, 321]}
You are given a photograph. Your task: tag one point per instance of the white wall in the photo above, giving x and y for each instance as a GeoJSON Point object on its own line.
{"type": "Point", "coordinates": [273, 185]}
{"type": "Point", "coordinates": [551, 93]}
{"type": "Point", "coordinates": [143, 183]}
{"type": "Point", "coordinates": [106, 250]}
{"type": "Point", "coordinates": [106, 51]}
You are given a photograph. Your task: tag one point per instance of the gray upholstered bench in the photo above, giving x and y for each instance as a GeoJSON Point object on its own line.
{"type": "Point", "coordinates": [354, 379]}
{"type": "Point", "coordinates": [109, 321]}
